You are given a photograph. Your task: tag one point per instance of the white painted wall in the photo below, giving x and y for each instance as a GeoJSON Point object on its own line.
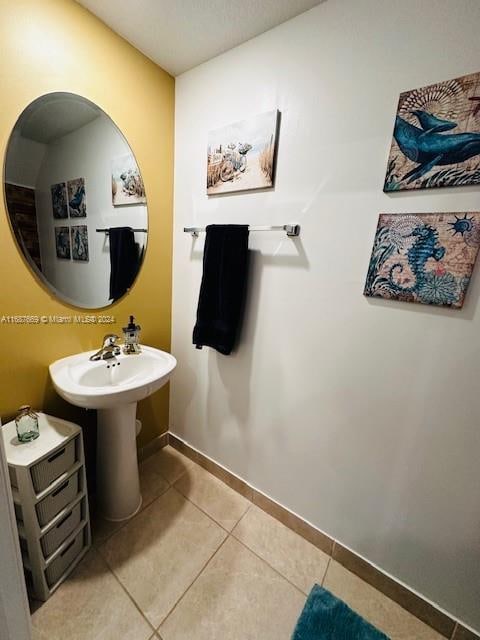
{"type": "Point", "coordinates": [361, 415]}
{"type": "Point", "coordinates": [23, 173]}
{"type": "Point", "coordinates": [87, 153]}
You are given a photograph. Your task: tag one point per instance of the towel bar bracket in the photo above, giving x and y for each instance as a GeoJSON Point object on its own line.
{"type": "Point", "coordinates": [293, 230]}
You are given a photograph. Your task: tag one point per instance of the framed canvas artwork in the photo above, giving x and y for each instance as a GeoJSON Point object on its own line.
{"type": "Point", "coordinates": [127, 183]}
{"type": "Point", "coordinates": [436, 137]}
{"type": "Point", "coordinates": [77, 203]}
{"type": "Point", "coordinates": [241, 156]}
{"type": "Point", "coordinates": [59, 200]}
{"type": "Point", "coordinates": [62, 242]}
{"type": "Point", "coordinates": [80, 242]}
{"type": "Point", "coordinates": [425, 257]}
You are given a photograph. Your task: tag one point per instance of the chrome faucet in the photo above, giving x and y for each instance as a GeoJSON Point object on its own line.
{"type": "Point", "coordinates": [109, 350]}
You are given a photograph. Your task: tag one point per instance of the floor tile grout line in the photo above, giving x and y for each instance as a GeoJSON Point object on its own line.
{"type": "Point", "coordinates": [334, 542]}
{"type": "Point", "coordinates": [249, 508]}
{"type": "Point", "coordinates": [128, 520]}
{"type": "Point", "coordinates": [304, 593]}
{"type": "Point", "coordinates": [235, 536]}
{"type": "Point", "coordinates": [231, 534]}
{"type": "Point", "coordinates": [130, 597]}
{"type": "Point", "coordinates": [192, 583]}
{"type": "Point", "coordinates": [173, 486]}
{"type": "Point", "coordinates": [326, 571]}
{"type": "Point", "coordinates": [224, 485]}
{"type": "Point", "coordinates": [170, 483]}
{"type": "Point", "coordinates": [194, 579]}
{"type": "Point", "coordinates": [96, 544]}
{"type": "Point", "coordinates": [204, 512]}
{"type": "Point", "coordinates": [251, 500]}
{"type": "Point", "coordinates": [143, 507]}
{"type": "Point", "coordinates": [103, 542]}
{"type": "Point", "coordinates": [224, 482]}
{"type": "Point", "coordinates": [208, 515]}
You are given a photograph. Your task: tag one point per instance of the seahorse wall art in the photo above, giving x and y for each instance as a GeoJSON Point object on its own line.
{"type": "Point", "coordinates": [436, 137]}
{"type": "Point", "coordinates": [426, 257]}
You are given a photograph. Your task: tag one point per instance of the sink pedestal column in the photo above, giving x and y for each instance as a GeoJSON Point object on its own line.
{"type": "Point", "coordinates": [118, 485]}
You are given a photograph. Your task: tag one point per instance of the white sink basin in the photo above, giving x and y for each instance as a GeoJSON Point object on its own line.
{"type": "Point", "coordinates": [106, 383]}
{"type": "Point", "coordinates": [114, 387]}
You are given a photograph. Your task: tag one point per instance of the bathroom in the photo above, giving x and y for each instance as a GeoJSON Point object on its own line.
{"type": "Point", "coordinates": [333, 453]}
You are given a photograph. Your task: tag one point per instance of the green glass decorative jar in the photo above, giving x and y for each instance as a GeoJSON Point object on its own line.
{"type": "Point", "coordinates": [27, 424]}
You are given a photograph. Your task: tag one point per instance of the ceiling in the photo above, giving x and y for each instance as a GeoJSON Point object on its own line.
{"type": "Point", "coordinates": [54, 115]}
{"type": "Point", "coordinates": [181, 34]}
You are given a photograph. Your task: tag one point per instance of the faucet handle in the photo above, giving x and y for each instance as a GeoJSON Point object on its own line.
{"type": "Point", "coordinates": [110, 340]}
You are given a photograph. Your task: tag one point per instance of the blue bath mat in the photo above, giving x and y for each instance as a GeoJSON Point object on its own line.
{"type": "Point", "coordinates": [325, 617]}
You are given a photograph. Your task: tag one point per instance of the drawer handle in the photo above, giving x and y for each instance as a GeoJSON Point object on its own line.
{"type": "Point", "coordinates": [56, 455]}
{"type": "Point", "coordinates": [68, 547]}
{"type": "Point", "coordinates": [63, 520]}
{"type": "Point", "coordinates": [60, 488]}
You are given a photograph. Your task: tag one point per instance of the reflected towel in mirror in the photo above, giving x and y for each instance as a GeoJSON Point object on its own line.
{"type": "Point", "coordinates": [124, 260]}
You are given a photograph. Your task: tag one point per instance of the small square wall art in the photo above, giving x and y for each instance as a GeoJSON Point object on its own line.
{"type": "Point", "coordinates": [424, 257]}
{"type": "Point", "coordinates": [436, 137]}
{"type": "Point", "coordinates": [80, 242]}
{"type": "Point", "coordinates": [241, 156]}
{"type": "Point", "coordinates": [77, 201]}
{"type": "Point", "coordinates": [62, 242]}
{"type": "Point", "coordinates": [59, 200]}
{"type": "Point", "coordinates": [127, 182]}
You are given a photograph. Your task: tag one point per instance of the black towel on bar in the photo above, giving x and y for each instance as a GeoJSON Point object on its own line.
{"type": "Point", "coordinates": [124, 260]}
{"type": "Point", "coordinates": [222, 292]}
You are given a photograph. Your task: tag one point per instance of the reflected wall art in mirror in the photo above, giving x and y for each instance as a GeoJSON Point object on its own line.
{"type": "Point", "coordinates": [76, 200]}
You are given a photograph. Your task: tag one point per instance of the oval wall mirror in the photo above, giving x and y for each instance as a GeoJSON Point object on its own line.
{"type": "Point", "coordinates": [76, 200]}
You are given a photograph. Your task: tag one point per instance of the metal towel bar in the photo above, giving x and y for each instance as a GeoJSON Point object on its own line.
{"type": "Point", "coordinates": [134, 230]}
{"type": "Point", "coordinates": [292, 230]}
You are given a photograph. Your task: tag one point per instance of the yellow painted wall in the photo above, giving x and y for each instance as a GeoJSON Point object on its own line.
{"type": "Point", "coordinates": [56, 45]}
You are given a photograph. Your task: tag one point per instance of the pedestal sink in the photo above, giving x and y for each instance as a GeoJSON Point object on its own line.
{"type": "Point", "coordinates": [114, 387]}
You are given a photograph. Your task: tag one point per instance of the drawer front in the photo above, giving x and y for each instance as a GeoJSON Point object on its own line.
{"type": "Point", "coordinates": [58, 499]}
{"type": "Point", "coordinates": [13, 477]}
{"type": "Point", "coordinates": [51, 468]}
{"type": "Point", "coordinates": [54, 538]}
{"type": "Point", "coordinates": [18, 512]}
{"type": "Point", "coordinates": [58, 567]}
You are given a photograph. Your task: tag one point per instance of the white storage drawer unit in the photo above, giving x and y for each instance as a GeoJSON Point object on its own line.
{"type": "Point", "coordinates": [49, 469]}
{"type": "Point", "coordinates": [58, 499]}
{"type": "Point", "coordinates": [64, 559]}
{"type": "Point", "coordinates": [51, 502]}
{"type": "Point", "coordinates": [60, 531]}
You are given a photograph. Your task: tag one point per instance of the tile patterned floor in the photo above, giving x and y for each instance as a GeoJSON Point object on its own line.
{"type": "Point", "coordinates": [200, 561]}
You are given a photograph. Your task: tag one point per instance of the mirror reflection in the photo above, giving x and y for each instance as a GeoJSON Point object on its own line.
{"type": "Point", "coordinates": [76, 200]}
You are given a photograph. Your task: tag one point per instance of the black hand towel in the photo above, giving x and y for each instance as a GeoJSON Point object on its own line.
{"type": "Point", "coordinates": [124, 260]}
{"type": "Point", "coordinates": [222, 293]}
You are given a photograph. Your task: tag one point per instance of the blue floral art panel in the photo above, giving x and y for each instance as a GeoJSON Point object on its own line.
{"type": "Point", "coordinates": [425, 257]}
{"type": "Point", "coordinates": [436, 136]}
